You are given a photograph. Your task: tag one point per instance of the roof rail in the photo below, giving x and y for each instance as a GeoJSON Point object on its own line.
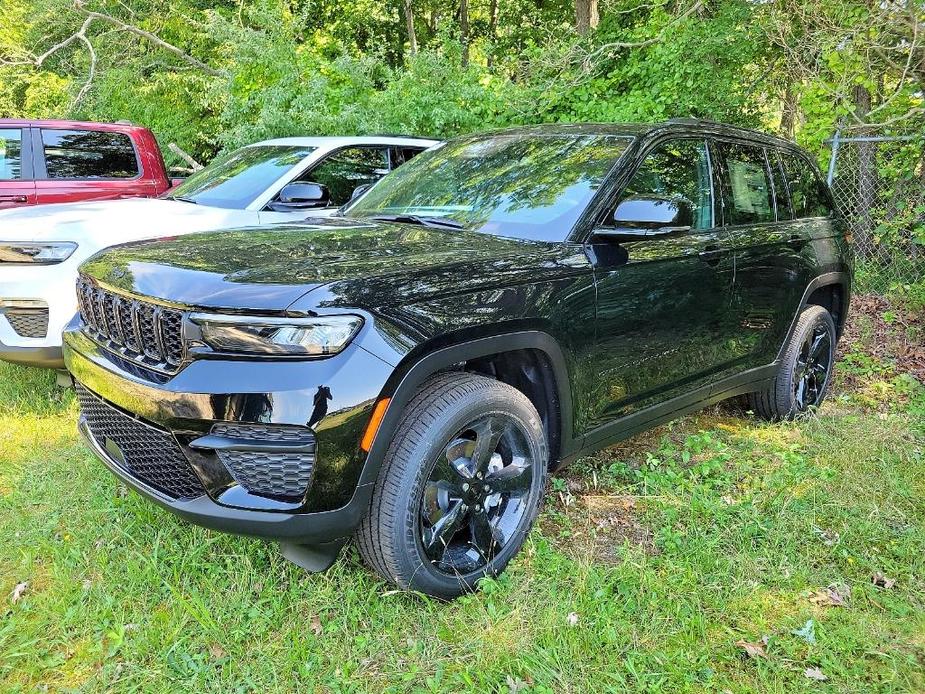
{"type": "Point", "coordinates": [706, 121]}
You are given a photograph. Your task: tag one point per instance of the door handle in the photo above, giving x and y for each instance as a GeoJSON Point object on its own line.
{"type": "Point", "coordinates": [14, 198]}
{"type": "Point", "coordinates": [711, 255]}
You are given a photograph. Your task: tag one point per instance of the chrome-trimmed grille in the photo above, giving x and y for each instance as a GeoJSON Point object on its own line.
{"type": "Point", "coordinates": [143, 332]}
{"type": "Point", "coordinates": [150, 454]}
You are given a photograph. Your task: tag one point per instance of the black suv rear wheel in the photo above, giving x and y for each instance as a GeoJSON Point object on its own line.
{"type": "Point", "coordinates": [805, 369]}
{"type": "Point", "coordinates": [459, 488]}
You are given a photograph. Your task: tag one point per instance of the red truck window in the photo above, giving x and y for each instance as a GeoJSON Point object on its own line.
{"type": "Point", "coordinates": [10, 154]}
{"type": "Point", "coordinates": [88, 154]}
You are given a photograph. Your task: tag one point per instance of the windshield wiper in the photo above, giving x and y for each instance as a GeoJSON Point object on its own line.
{"type": "Point", "coordinates": [182, 199]}
{"type": "Point", "coordinates": [421, 220]}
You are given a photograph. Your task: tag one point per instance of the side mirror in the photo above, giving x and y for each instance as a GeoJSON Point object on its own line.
{"type": "Point", "coordinates": [301, 196]}
{"type": "Point", "coordinates": [643, 217]}
{"type": "Point", "coordinates": [360, 191]}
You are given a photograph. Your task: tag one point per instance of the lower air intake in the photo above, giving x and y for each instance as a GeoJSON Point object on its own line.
{"type": "Point", "coordinates": [149, 454]}
{"type": "Point", "coordinates": [278, 475]}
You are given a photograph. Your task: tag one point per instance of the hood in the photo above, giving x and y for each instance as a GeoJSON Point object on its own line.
{"type": "Point", "coordinates": [368, 264]}
{"type": "Point", "coordinates": [107, 222]}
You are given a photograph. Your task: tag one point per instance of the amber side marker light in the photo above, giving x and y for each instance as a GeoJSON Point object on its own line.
{"type": "Point", "coordinates": [378, 413]}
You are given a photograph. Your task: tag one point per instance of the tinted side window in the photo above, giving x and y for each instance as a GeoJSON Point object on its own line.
{"type": "Point", "coordinates": [10, 154]}
{"type": "Point", "coordinates": [746, 187]}
{"type": "Point", "coordinates": [807, 191]}
{"type": "Point", "coordinates": [781, 197]}
{"type": "Point", "coordinates": [679, 169]}
{"type": "Point", "coordinates": [400, 155]}
{"type": "Point", "coordinates": [88, 154]}
{"type": "Point", "coordinates": [348, 169]}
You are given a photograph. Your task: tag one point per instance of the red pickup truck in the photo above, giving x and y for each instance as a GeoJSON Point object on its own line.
{"type": "Point", "coordinates": [66, 161]}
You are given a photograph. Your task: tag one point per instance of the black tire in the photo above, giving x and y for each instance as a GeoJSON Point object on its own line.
{"type": "Point", "coordinates": [432, 441]}
{"type": "Point", "coordinates": [782, 399]}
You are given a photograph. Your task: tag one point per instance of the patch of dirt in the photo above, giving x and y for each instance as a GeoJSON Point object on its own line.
{"type": "Point", "coordinates": [888, 331]}
{"type": "Point", "coordinates": [596, 527]}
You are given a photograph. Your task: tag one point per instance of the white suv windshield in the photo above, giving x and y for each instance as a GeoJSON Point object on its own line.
{"type": "Point", "coordinates": [235, 180]}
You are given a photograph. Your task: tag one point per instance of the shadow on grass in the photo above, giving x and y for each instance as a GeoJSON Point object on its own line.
{"type": "Point", "coordinates": [28, 391]}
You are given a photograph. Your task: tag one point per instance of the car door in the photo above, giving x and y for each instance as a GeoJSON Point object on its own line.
{"type": "Point", "coordinates": [17, 187]}
{"type": "Point", "coordinates": [84, 164]}
{"type": "Point", "coordinates": [771, 246]}
{"type": "Point", "coordinates": [663, 303]}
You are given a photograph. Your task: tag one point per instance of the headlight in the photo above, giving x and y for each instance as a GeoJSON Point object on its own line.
{"type": "Point", "coordinates": [35, 253]}
{"type": "Point", "coordinates": [287, 337]}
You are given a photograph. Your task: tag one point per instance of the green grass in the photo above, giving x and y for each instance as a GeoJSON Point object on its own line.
{"type": "Point", "coordinates": [650, 562]}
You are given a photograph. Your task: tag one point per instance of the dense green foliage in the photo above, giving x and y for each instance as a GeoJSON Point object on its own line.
{"type": "Point", "coordinates": [248, 70]}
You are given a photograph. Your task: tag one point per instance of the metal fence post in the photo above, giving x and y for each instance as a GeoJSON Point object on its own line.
{"type": "Point", "coordinates": [835, 139]}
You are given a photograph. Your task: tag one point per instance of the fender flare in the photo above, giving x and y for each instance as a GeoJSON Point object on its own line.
{"type": "Point", "coordinates": [824, 280]}
{"type": "Point", "coordinates": [446, 357]}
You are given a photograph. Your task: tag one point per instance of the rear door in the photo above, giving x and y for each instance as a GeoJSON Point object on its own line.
{"type": "Point", "coordinates": [663, 303]}
{"type": "Point", "coordinates": [17, 187]}
{"type": "Point", "coordinates": [772, 268]}
{"type": "Point", "coordinates": [85, 164]}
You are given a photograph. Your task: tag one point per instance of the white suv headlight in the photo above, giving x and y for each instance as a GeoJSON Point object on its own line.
{"type": "Point", "coordinates": [293, 337]}
{"type": "Point", "coordinates": [21, 253]}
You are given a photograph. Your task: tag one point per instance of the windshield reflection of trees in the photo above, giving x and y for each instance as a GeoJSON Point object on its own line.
{"type": "Point", "coordinates": [488, 179]}
{"type": "Point", "coordinates": [237, 163]}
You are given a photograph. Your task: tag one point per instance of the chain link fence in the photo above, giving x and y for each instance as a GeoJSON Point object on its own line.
{"type": "Point", "coordinates": [879, 186]}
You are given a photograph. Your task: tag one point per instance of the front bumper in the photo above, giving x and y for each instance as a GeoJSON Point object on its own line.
{"type": "Point", "coordinates": [297, 528]}
{"type": "Point", "coordinates": [43, 357]}
{"type": "Point", "coordinates": [332, 398]}
{"type": "Point", "coordinates": [48, 286]}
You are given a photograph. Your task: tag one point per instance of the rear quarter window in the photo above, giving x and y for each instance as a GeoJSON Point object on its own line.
{"type": "Point", "coordinates": [808, 193]}
{"type": "Point", "coordinates": [10, 154]}
{"type": "Point", "coordinates": [88, 154]}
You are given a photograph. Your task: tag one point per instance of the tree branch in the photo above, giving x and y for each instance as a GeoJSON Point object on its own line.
{"type": "Point", "coordinates": [614, 45]}
{"type": "Point", "coordinates": [81, 36]}
{"type": "Point", "coordinates": [152, 38]}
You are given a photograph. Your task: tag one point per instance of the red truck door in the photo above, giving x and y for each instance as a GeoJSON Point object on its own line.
{"type": "Point", "coordinates": [84, 164]}
{"type": "Point", "coordinates": [17, 187]}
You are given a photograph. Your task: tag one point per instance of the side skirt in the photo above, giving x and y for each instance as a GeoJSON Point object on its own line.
{"type": "Point", "coordinates": [609, 434]}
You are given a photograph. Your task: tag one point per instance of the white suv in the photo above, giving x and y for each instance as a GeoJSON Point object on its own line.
{"type": "Point", "coordinates": [265, 183]}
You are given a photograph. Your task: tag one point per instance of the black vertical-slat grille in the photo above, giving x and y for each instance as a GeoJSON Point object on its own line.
{"type": "Point", "coordinates": [149, 334]}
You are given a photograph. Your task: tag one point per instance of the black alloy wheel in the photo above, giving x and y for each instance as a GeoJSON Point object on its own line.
{"type": "Point", "coordinates": [475, 497]}
{"type": "Point", "coordinates": [812, 367]}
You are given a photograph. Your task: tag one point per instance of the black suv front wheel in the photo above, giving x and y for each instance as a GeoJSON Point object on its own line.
{"type": "Point", "coordinates": [459, 488]}
{"type": "Point", "coordinates": [805, 369]}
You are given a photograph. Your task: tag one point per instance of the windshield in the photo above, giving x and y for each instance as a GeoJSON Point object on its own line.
{"type": "Point", "coordinates": [525, 185]}
{"type": "Point", "coordinates": [235, 180]}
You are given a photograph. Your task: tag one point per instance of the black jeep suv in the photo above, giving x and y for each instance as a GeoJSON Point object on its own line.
{"type": "Point", "coordinates": [411, 372]}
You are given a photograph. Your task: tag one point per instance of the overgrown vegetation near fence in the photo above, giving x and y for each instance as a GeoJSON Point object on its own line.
{"type": "Point", "coordinates": [879, 186]}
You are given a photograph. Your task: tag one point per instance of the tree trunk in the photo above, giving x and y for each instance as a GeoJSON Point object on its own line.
{"type": "Point", "coordinates": [788, 112]}
{"type": "Point", "coordinates": [586, 16]}
{"type": "Point", "coordinates": [492, 29]}
{"type": "Point", "coordinates": [409, 22]}
{"type": "Point", "coordinates": [464, 30]}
